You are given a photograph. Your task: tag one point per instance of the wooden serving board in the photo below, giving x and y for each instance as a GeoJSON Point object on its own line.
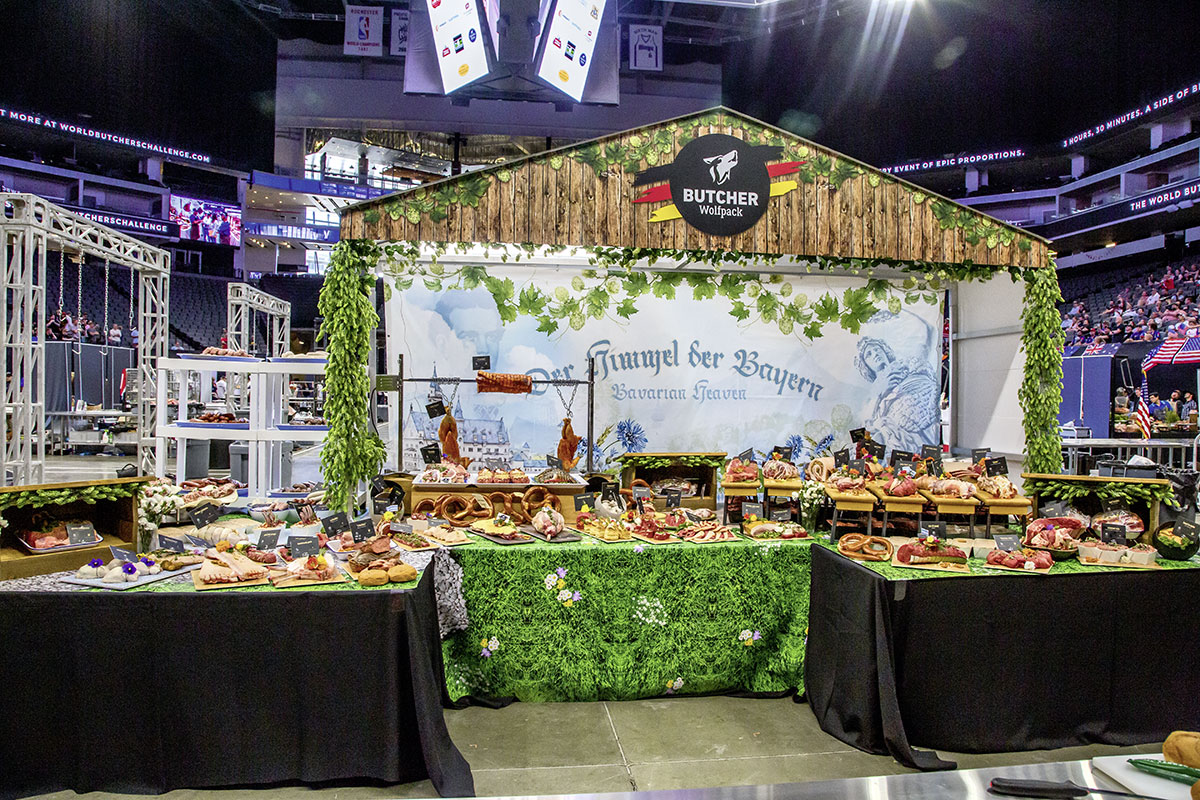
{"type": "Point", "coordinates": [598, 539]}
{"type": "Point", "coordinates": [498, 540]}
{"type": "Point", "coordinates": [962, 569]}
{"type": "Point", "coordinates": [1045, 571]}
{"type": "Point", "coordinates": [565, 535]}
{"type": "Point", "coordinates": [446, 544]}
{"type": "Point", "coordinates": [905, 505]}
{"type": "Point", "coordinates": [294, 583]}
{"type": "Point", "coordinates": [740, 489]}
{"type": "Point", "coordinates": [204, 587]}
{"type": "Point", "coordinates": [673, 540]}
{"type": "Point", "coordinates": [1155, 565]}
{"type": "Point", "coordinates": [805, 540]}
{"type": "Point", "coordinates": [783, 486]}
{"type": "Point", "coordinates": [950, 505]}
{"type": "Point", "coordinates": [432, 546]}
{"type": "Point", "coordinates": [992, 501]}
{"type": "Point", "coordinates": [851, 502]}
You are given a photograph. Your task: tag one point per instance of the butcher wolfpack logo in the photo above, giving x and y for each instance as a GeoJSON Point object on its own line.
{"type": "Point", "coordinates": [718, 184]}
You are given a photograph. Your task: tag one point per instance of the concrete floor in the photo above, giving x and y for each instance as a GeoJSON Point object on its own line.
{"type": "Point", "coordinates": [680, 743]}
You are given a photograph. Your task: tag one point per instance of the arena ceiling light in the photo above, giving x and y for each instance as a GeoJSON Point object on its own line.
{"type": "Point", "coordinates": [731, 3]}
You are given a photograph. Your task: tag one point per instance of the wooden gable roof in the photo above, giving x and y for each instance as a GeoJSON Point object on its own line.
{"type": "Point", "coordinates": [584, 195]}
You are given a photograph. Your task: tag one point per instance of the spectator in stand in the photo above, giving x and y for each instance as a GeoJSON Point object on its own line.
{"type": "Point", "coordinates": [114, 335]}
{"type": "Point", "coordinates": [69, 328]}
{"type": "Point", "coordinates": [1188, 407]}
{"type": "Point", "coordinates": [224, 337]}
{"type": "Point", "coordinates": [133, 336]}
{"type": "Point", "coordinates": [220, 387]}
{"type": "Point", "coordinates": [1168, 281]}
{"type": "Point", "coordinates": [1158, 408]}
{"type": "Point", "coordinates": [54, 326]}
{"type": "Point", "coordinates": [1176, 401]}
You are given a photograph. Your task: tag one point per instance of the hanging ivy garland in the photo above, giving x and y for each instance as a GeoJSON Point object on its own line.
{"type": "Point", "coordinates": [1040, 394]}
{"type": "Point", "coordinates": [353, 451]}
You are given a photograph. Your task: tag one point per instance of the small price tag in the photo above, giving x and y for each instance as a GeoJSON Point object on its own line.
{"type": "Point", "coordinates": [435, 522]}
{"type": "Point", "coordinates": [640, 492]}
{"type": "Point", "coordinates": [858, 465]}
{"type": "Point", "coordinates": [874, 449]}
{"type": "Point", "coordinates": [195, 542]}
{"type": "Point", "coordinates": [399, 527]}
{"type": "Point", "coordinates": [609, 492]}
{"type": "Point", "coordinates": [503, 519]}
{"type": "Point", "coordinates": [674, 498]}
{"type": "Point", "coordinates": [586, 499]}
{"type": "Point", "coordinates": [122, 554]}
{"type": "Point", "coordinates": [841, 459]}
{"type": "Point", "coordinates": [691, 516]}
{"type": "Point", "coordinates": [431, 453]}
{"type": "Point", "coordinates": [1008, 541]}
{"type": "Point", "coordinates": [645, 505]}
{"type": "Point", "coordinates": [83, 533]}
{"type": "Point", "coordinates": [858, 435]}
{"type": "Point", "coordinates": [387, 383]}
{"type": "Point", "coordinates": [553, 462]}
{"type": "Point", "coordinates": [1111, 532]}
{"type": "Point", "coordinates": [435, 409]}
{"type": "Point", "coordinates": [752, 510]}
{"type": "Point", "coordinates": [930, 451]}
{"type": "Point", "coordinates": [747, 454]}
{"type": "Point", "coordinates": [171, 543]}
{"type": "Point", "coordinates": [784, 453]}
{"type": "Point", "coordinates": [996, 466]}
{"type": "Point", "coordinates": [1056, 509]}
{"type": "Point", "coordinates": [937, 529]}
{"type": "Point", "coordinates": [336, 524]}
{"type": "Point", "coordinates": [268, 540]}
{"type": "Point", "coordinates": [781, 515]}
{"type": "Point", "coordinates": [901, 457]}
{"type": "Point", "coordinates": [979, 454]}
{"type": "Point", "coordinates": [362, 529]}
{"type": "Point", "coordinates": [481, 363]}
{"type": "Point", "coordinates": [303, 546]}
{"type": "Point", "coordinates": [204, 514]}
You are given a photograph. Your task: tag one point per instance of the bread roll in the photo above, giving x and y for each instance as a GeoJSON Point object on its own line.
{"type": "Point", "coordinates": [402, 573]}
{"type": "Point", "coordinates": [372, 577]}
{"type": "Point", "coordinates": [1183, 747]}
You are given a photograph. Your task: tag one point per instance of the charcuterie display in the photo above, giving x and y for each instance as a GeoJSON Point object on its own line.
{"type": "Point", "coordinates": [898, 486]}
{"type": "Point", "coordinates": [865, 548]}
{"type": "Point", "coordinates": [1095, 552]}
{"type": "Point", "coordinates": [1131, 522]}
{"type": "Point", "coordinates": [548, 522]}
{"type": "Point", "coordinates": [998, 486]}
{"type": "Point", "coordinates": [930, 551]}
{"type": "Point", "coordinates": [225, 352]}
{"type": "Point", "coordinates": [768, 530]}
{"type": "Point", "coordinates": [505, 530]}
{"type": "Point", "coordinates": [706, 533]}
{"type": "Point", "coordinates": [219, 418]}
{"type": "Point", "coordinates": [779, 470]}
{"type": "Point", "coordinates": [951, 487]}
{"type": "Point", "coordinates": [46, 533]}
{"type": "Point", "coordinates": [1025, 559]}
{"type": "Point", "coordinates": [444, 472]}
{"type": "Point", "coordinates": [738, 471]}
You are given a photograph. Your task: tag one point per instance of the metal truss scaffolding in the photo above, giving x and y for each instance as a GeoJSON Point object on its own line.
{"type": "Point", "coordinates": [29, 228]}
{"type": "Point", "coordinates": [243, 301]}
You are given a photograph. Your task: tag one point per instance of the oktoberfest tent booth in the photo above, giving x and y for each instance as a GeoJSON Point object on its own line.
{"type": "Point", "coordinates": [719, 286]}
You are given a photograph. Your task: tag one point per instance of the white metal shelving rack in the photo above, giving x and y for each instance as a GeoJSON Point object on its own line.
{"type": "Point", "coordinates": [268, 383]}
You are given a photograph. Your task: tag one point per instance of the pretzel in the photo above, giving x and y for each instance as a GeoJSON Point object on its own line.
{"type": "Point", "coordinates": [455, 509]}
{"type": "Point", "coordinates": [865, 548]}
{"type": "Point", "coordinates": [426, 506]}
{"type": "Point", "coordinates": [481, 507]}
{"type": "Point", "coordinates": [537, 496]}
{"type": "Point", "coordinates": [851, 543]}
{"type": "Point", "coordinates": [504, 499]}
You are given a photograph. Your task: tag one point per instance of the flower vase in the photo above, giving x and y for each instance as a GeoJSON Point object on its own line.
{"type": "Point", "coordinates": [146, 534]}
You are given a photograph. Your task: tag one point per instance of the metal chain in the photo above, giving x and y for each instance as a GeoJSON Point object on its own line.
{"type": "Point", "coordinates": [132, 274]}
{"type": "Point", "coordinates": [77, 348]}
{"type": "Point", "coordinates": [450, 403]}
{"type": "Point", "coordinates": [62, 266]}
{"type": "Point", "coordinates": [104, 330]}
{"type": "Point", "coordinates": [567, 404]}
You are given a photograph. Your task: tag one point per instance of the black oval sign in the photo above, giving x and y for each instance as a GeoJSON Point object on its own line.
{"type": "Point", "coordinates": [720, 184]}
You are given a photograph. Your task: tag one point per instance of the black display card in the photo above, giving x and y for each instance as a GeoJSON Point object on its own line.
{"type": "Point", "coordinates": [303, 546]}
{"type": "Point", "coordinates": [645, 505]}
{"type": "Point", "coordinates": [784, 453]}
{"type": "Point", "coordinates": [122, 554]}
{"type": "Point", "coordinates": [481, 363]}
{"type": "Point", "coordinates": [435, 409]}
{"type": "Point", "coordinates": [752, 509]}
{"type": "Point", "coordinates": [841, 458]}
{"type": "Point", "coordinates": [196, 542]}
{"type": "Point", "coordinates": [362, 529]}
{"type": "Point", "coordinates": [1187, 529]}
{"type": "Point", "coordinates": [876, 449]}
{"type": "Point", "coordinates": [642, 491]}
{"type": "Point", "coordinates": [586, 499]}
{"type": "Point", "coordinates": [858, 435]}
{"type": "Point", "coordinates": [930, 451]}
{"type": "Point", "coordinates": [901, 457]}
{"type": "Point", "coordinates": [268, 540]}
{"type": "Point", "coordinates": [1007, 541]}
{"type": "Point", "coordinates": [553, 462]}
{"type": "Point", "coordinates": [747, 454]}
{"type": "Point", "coordinates": [936, 468]}
{"type": "Point", "coordinates": [858, 465]}
{"type": "Point", "coordinates": [378, 485]}
{"type": "Point", "coordinates": [610, 492]}
{"type": "Point", "coordinates": [938, 529]}
{"type": "Point", "coordinates": [674, 498]}
{"type": "Point", "coordinates": [1111, 532]}
{"type": "Point", "coordinates": [336, 524]}
{"type": "Point", "coordinates": [781, 515]}
{"type": "Point", "coordinates": [431, 453]}
{"type": "Point", "coordinates": [171, 543]}
{"type": "Point", "coordinates": [996, 466]}
{"type": "Point", "coordinates": [81, 533]}
{"type": "Point", "coordinates": [978, 454]}
{"type": "Point", "coordinates": [204, 514]}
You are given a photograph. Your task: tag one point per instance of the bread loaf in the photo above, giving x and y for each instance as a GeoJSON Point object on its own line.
{"type": "Point", "coordinates": [402, 573]}
{"type": "Point", "coordinates": [1183, 747]}
{"type": "Point", "coordinates": [372, 577]}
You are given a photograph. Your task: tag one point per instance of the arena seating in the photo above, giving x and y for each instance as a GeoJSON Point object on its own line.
{"type": "Point", "coordinates": [1175, 313]}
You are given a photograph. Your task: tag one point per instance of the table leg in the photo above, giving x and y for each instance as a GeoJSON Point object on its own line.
{"type": "Point", "coordinates": [885, 519]}
{"type": "Point", "coordinates": [835, 536]}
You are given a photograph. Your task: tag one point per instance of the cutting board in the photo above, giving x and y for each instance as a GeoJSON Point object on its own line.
{"type": "Point", "coordinates": [1117, 768]}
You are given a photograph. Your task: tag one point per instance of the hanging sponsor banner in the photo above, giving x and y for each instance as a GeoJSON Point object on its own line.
{"type": "Point", "coordinates": [677, 376]}
{"type": "Point", "coordinates": [399, 39]}
{"type": "Point", "coordinates": [718, 184]}
{"type": "Point", "coordinates": [646, 47]}
{"type": "Point", "coordinates": [364, 31]}
{"type": "Point", "coordinates": [59, 126]}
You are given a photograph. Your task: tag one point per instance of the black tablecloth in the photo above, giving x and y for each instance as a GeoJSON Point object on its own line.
{"type": "Point", "coordinates": [1003, 663]}
{"type": "Point", "coordinates": [149, 692]}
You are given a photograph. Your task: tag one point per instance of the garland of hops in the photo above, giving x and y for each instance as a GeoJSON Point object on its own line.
{"type": "Point", "coordinates": [1041, 388]}
{"type": "Point", "coordinates": [353, 452]}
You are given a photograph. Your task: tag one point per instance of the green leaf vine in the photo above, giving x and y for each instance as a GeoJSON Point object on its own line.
{"type": "Point", "coordinates": [353, 451]}
{"type": "Point", "coordinates": [618, 277]}
{"type": "Point", "coordinates": [1040, 393]}
{"type": "Point", "coordinates": [39, 498]}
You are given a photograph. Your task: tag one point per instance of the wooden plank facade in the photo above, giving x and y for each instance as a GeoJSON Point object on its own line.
{"type": "Point", "coordinates": [565, 197]}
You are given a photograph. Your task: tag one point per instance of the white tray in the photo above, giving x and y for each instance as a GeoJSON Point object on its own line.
{"type": "Point", "coordinates": [120, 587]}
{"type": "Point", "coordinates": [1118, 769]}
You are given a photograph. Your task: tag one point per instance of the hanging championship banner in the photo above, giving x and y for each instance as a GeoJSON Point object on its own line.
{"type": "Point", "coordinates": [676, 376]}
{"type": "Point", "coordinates": [364, 31]}
{"type": "Point", "coordinates": [399, 39]}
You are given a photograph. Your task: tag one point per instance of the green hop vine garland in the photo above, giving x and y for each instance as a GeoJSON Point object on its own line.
{"type": "Point", "coordinates": [640, 461]}
{"type": "Point", "coordinates": [39, 498]}
{"type": "Point", "coordinates": [1040, 393]}
{"type": "Point", "coordinates": [1127, 493]}
{"type": "Point", "coordinates": [353, 452]}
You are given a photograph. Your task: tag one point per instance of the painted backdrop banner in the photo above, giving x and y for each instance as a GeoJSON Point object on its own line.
{"type": "Point", "coordinates": [679, 375]}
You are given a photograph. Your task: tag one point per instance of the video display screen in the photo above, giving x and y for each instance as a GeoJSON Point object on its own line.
{"type": "Point", "coordinates": [570, 44]}
{"type": "Point", "coordinates": [207, 220]}
{"type": "Point", "coordinates": [458, 41]}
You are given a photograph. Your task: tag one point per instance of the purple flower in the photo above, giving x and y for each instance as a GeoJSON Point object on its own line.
{"type": "Point", "coordinates": [637, 548]}
{"type": "Point", "coordinates": [130, 568]}
{"type": "Point", "coordinates": [149, 562]}
{"type": "Point", "coordinates": [485, 653]}
{"type": "Point", "coordinates": [757, 636]}
{"type": "Point", "coordinates": [561, 572]}
{"type": "Point", "coordinates": [96, 562]}
{"type": "Point", "coordinates": [577, 597]}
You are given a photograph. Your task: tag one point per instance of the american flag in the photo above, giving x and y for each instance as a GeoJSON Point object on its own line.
{"type": "Point", "coordinates": [1174, 351]}
{"type": "Point", "coordinates": [1142, 416]}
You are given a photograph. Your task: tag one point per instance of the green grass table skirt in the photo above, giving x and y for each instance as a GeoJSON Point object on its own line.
{"type": "Point", "coordinates": [592, 621]}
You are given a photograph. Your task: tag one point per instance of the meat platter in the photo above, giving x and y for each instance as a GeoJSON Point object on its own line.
{"type": "Point", "coordinates": [562, 537]}
{"type": "Point", "coordinates": [1008, 561]}
{"type": "Point", "coordinates": [220, 354]}
{"type": "Point", "coordinates": [906, 556]}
